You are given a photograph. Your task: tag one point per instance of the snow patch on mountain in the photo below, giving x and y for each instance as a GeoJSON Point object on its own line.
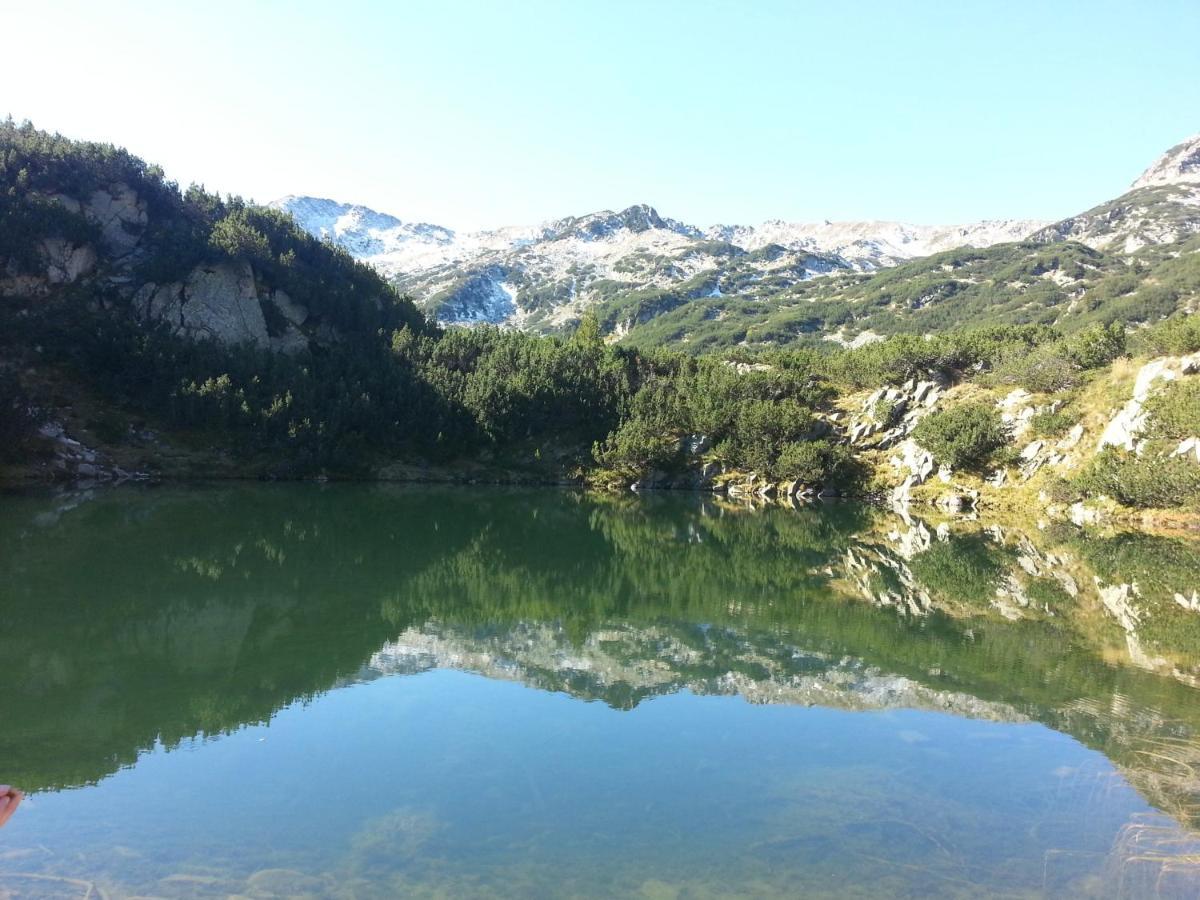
{"type": "Point", "coordinates": [872, 245]}
{"type": "Point", "coordinates": [363, 232]}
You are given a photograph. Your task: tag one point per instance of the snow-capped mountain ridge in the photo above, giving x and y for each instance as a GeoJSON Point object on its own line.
{"type": "Point", "coordinates": [358, 226]}
{"type": "Point", "coordinates": [605, 223]}
{"type": "Point", "coordinates": [637, 263]}
{"type": "Point", "coordinates": [873, 244]}
{"type": "Point", "coordinates": [491, 275]}
{"type": "Point", "coordinates": [401, 248]}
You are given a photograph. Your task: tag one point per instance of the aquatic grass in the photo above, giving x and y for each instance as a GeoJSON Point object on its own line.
{"type": "Point", "coordinates": [1152, 841]}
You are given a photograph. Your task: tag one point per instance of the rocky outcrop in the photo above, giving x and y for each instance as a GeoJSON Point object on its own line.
{"type": "Point", "coordinates": [217, 302]}
{"type": "Point", "coordinates": [890, 414]}
{"type": "Point", "coordinates": [295, 313]}
{"type": "Point", "coordinates": [67, 262]}
{"type": "Point", "coordinates": [1017, 409]}
{"type": "Point", "coordinates": [119, 213]}
{"type": "Point", "coordinates": [62, 262]}
{"type": "Point", "coordinates": [915, 463]}
{"type": "Point", "coordinates": [1127, 425]}
{"type": "Point", "coordinates": [221, 302]}
{"type": "Point", "coordinates": [71, 461]}
{"type": "Point", "coordinates": [1189, 448]}
{"type": "Point", "coordinates": [1180, 164]}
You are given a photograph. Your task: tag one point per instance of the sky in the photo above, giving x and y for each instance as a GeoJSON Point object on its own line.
{"type": "Point", "coordinates": [480, 114]}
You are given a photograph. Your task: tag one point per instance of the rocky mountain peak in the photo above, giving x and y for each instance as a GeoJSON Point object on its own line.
{"type": "Point", "coordinates": [641, 217]}
{"type": "Point", "coordinates": [1180, 164]}
{"type": "Point", "coordinates": [636, 219]}
{"type": "Point", "coordinates": [359, 229]}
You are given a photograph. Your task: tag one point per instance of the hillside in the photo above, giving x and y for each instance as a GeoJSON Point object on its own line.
{"type": "Point", "coordinates": [1132, 260]}
{"type": "Point", "coordinates": [125, 300]}
{"type": "Point", "coordinates": [655, 281]}
{"type": "Point", "coordinates": [151, 332]}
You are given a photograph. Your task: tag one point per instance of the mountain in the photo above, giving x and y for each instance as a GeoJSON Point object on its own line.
{"type": "Point", "coordinates": [1179, 165]}
{"type": "Point", "coordinates": [1134, 260]}
{"type": "Point", "coordinates": [390, 245]}
{"type": "Point", "coordinates": [543, 277]}
{"type": "Point", "coordinates": [1161, 207]}
{"type": "Point", "coordinates": [654, 280]}
{"type": "Point", "coordinates": [144, 328]}
{"type": "Point", "coordinates": [874, 245]}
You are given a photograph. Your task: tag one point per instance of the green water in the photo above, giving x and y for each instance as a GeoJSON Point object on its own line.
{"type": "Point", "coordinates": [287, 691]}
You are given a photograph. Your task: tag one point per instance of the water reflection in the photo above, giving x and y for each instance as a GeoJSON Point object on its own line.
{"type": "Point", "coordinates": [151, 619]}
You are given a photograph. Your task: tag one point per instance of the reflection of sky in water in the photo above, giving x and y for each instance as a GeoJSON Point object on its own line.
{"type": "Point", "coordinates": [1000, 703]}
{"type": "Point", "coordinates": [477, 787]}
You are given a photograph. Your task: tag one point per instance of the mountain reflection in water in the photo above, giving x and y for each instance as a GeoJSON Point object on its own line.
{"type": "Point", "coordinates": [147, 619]}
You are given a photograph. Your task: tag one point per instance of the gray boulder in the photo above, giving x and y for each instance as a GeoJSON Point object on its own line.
{"type": "Point", "coordinates": [66, 262]}
{"type": "Point", "coordinates": [121, 215]}
{"type": "Point", "coordinates": [217, 302]}
{"type": "Point", "coordinates": [220, 302]}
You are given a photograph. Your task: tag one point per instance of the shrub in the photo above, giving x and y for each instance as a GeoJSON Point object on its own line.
{"type": "Point", "coordinates": [1060, 490]}
{"type": "Point", "coordinates": [238, 239]}
{"type": "Point", "coordinates": [1180, 334]}
{"type": "Point", "coordinates": [108, 427]}
{"type": "Point", "coordinates": [638, 446]}
{"type": "Point", "coordinates": [817, 463]}
{"type": "Point", "coordinates": [762, 428]}
{"type": "Point", "coordinates": [963, 437]}
{"type": "Point", "coordinates": [1174, 412]}
{"type": "Point", "coordinates": [1051, 423]}
{"type": "Point", "coordinates": [1045, 370]}
{"type": "Point", "coordinates": [1154, 479]}
{"type": "Point", "coordinates": [1096, 345]}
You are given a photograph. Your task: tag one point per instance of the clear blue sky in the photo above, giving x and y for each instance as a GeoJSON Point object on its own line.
{"type": "Point", "coordinates": [488, 113]}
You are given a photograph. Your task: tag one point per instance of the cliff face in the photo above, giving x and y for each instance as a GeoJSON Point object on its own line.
{"type": "Point", "coordinates": [226, 301]}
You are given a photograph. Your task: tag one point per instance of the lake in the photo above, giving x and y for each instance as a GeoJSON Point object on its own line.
{"type": "Point", "coordinates": [381, 691]}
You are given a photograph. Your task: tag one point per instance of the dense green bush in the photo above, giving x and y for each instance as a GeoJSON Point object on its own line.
{"type": "Point", "coordinates": [1176, 335]}
{"type": "Point", "coordinates": [639, 446]}
{"type": "Point", "coordinates": [1174, 412]}
{"type": "Point", "coordinates": [1059, 363]}
{"type": "Point", "coordinates": [1095, 346]}
{"type": "Point", "coordinates": [963, 437]}
{"type": "Point", "coordinates": [818, 463]}
{"type": "Point", "coordinates": [1052, 423]}
{"type": "Point", "coordinates": [1046, 370]}
{"type": "Point", "coordinates": [747, 416]}
{"type": "Point", "coordinates": [1152, 479]}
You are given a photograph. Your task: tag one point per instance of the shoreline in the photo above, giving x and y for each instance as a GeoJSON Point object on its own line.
{"type": "Point", "coordinates": [988, 503]}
